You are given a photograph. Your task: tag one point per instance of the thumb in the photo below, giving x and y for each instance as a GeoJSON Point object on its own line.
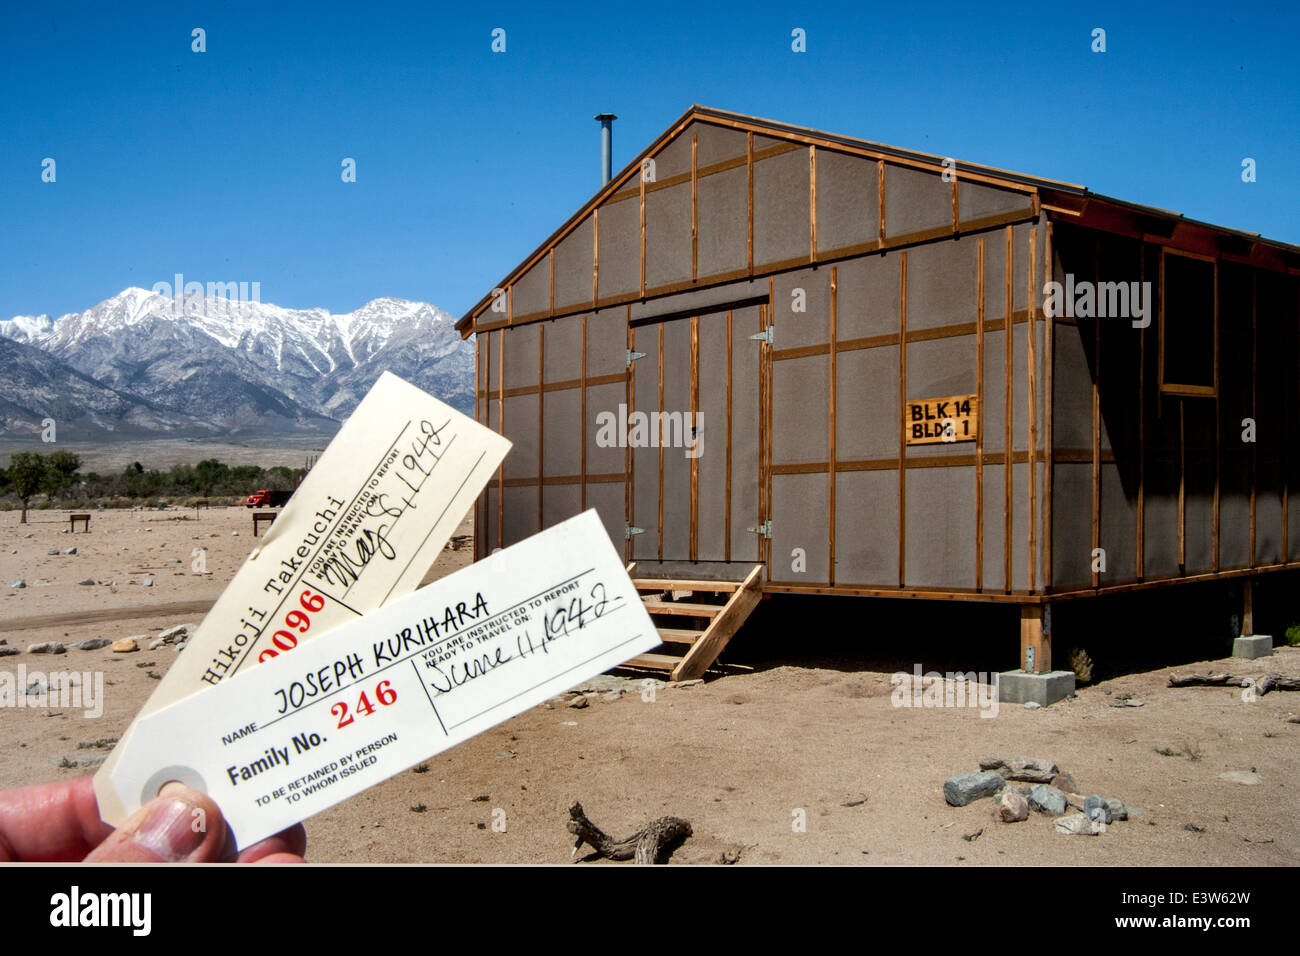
{"type": "Point", "coordinates": [180, 825]}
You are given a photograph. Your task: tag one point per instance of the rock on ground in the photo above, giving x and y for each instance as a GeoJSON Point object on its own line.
{"type": "Point", "coordinates": [1030, 769]}
{"type": "Point", "coordinates": [1011, 807]}
{"type": "Point", "coordinates": [47, 647]}
{"type": "Point", "coordinates": [1065, 783]}
{"type": "Point", "coordinates": [93, 644]}
{"type": "Point", "coordinates": [173, 634]}
{"type": "Point", "coordinates": [972, 785]}
{"type": "Point", "coordinates": [125, 646]}
{"type": "Point", "coordinates": [1077, 824]}
{"type": "Point", "coordinates": [1094, 808]}
{"type": "Point", "coordinates": [1047, 799]}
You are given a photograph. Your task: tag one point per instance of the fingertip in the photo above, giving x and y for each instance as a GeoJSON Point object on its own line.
{"type": "Point", "coordinates": [291, 842]}
{"type": "Point", "coordinates": [179, 825]}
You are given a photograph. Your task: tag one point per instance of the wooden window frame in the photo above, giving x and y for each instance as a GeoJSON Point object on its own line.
{"type": "Point", "coordinates": [1174, 388]}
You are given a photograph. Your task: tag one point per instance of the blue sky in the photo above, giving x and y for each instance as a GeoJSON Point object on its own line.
{"type": "Point", "coordinates": [225, 165]}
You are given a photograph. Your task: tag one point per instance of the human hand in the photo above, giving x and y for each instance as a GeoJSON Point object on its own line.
{"type": "Point", "coordinates": [59, 823]}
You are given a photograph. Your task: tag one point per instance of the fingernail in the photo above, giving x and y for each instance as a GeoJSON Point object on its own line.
{"type": "Point", "coordinates": [168, 830]}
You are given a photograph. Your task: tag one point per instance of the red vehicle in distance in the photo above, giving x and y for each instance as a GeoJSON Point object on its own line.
{"type": "Point", "coordinates": [265, 498]}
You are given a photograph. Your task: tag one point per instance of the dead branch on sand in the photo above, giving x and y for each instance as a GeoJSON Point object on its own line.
{"type": "Point", "coordinates": [645, 845]}
{"type": "Point", "coordinates": [1262, 685]}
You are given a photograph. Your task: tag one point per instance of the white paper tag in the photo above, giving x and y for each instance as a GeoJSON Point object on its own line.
{"type": "Point", "coordinates": [303, 732]}
{"type": "Point", "coordinates": [362, 529]}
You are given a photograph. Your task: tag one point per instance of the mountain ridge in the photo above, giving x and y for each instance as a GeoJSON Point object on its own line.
{"type": "Point", "coordinates": [210, 365]}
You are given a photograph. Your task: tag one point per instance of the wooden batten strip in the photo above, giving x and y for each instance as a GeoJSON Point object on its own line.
{"type": "Point", "coordinates": [1031, 356]}
{"type": "Point", "coordinates": [1008, 366]}
{"type": "Point", "coordinates": [1141, 553]}
{"type": "Point", "coordinates": [550, 261]}
{"type": "Point", "coordinates": [802, 351]}
{"type": "Point", "coordinates": [695, 209]}
{"type": "Point", "coordinates": [1182, 486]}
{"type": "Point", "coordinates": [595, 259]}
{"type": "Point", "coordinates": [661, 442]}
{"type": "Point", "coordinates": [1095, 407]}
{"type": "Point", "coordinates": [643, 237]}
{"type": "Point", "coordinates": [501, 428]}
{"type": "Point", "coordinates": [766, 316]}
{"type": "Point", "coordinates": [979, 414]}
{"type": "Point", "coordinates": [1254, 408]}
{"type": "Point", "coordinates": [530, 481]}
{"type": "Point", "coordinates": [582, 456]}
{"type": "Point", "coordinates": [956, 214]}
{"type": "Point", "coordinates": [1288, 428]}
{"type": "Point", "coordinates": [695, 461]}
{"type": "Point", "coordinates": [880, 190]}
{"type": "Point", "coordinates": [482, 344]}
{"type": "Point", "coordinates": [1218, 444]}
{"type": "Point", "coordinates": [613, 378]}
{"type": "Point", "coordinates": [749, 230]}
{"type": "Point", "coordinates": [902, 403]}
{"type": "Point", "coordinates": [1080, 455]}
{"type": "Point", "coordinates": [726, 547]}
{"type": "Point", "coordinates": [1049, 360]}
{"type": "Point", "coordinates": [541, 419]}
{"type": "Point", "coordinates": [871, 342]}
{"type": "Point", "coordinates": [629, 453]}
{"type": "Point", "coordinates": [831, 406]}
{"type": "Point", "coordinates": [812, 203]}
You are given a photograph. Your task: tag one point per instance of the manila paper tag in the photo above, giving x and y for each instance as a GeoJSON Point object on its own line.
{"type": "Point", "coordinates": [363, 528]}
{"type": "Point", "coordinates": [333, 717]}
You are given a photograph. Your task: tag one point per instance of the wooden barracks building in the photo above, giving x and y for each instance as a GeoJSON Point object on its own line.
{"type": "Point", "coordinates": [779, 360]}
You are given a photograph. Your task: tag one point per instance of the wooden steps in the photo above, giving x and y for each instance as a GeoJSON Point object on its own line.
{"type": "Point", "coordinates": [684, 584]}
{"type": "Point", "coordinates": [683, 608]}
{"type": "Point", "coordinates": [716, 609]}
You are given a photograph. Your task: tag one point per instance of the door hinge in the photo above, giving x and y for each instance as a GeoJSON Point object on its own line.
{"type": "Point", "coordinates": [629, 530]}
{"type": "Point", "coordinates": [633, 356]}
{"type": "Point", "coordinates": [765, 336]}
{"type": "Point", "coordinates": [765, 529]}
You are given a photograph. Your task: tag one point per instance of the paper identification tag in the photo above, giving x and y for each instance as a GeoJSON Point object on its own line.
{"type": "Point", "coordinates": [373, 697]}
{"type": "Point", "coordinates": [362, 529]}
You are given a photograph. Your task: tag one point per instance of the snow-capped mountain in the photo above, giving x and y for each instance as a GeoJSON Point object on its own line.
{"type": "Point", "coordinates": [240, 366]}
{"type": "Point", "coordinates": [35, 386]}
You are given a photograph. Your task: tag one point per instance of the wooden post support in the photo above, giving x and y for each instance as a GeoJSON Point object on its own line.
{"type": "Point", "coordinates": [1247, 607]}
{"type": "Point", "coordinates": [1034, 638]}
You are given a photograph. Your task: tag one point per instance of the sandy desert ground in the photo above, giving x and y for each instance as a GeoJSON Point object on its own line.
{"type": "Point", "coordinates": [744, 757]}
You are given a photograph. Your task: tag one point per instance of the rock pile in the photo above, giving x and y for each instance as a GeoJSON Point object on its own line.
{"type": "Point", "coordinates": [1053, 793]}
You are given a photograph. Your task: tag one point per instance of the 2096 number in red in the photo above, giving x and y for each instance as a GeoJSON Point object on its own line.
{"type": "Point", "coordinates": [285, 639]}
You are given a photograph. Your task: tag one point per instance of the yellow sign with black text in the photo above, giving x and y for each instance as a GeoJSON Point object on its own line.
{"type": "Point", "coordinates": [929, 421]}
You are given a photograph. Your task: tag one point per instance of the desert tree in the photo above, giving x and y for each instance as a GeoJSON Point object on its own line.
{"type": "Point", "coordinates": [27, 472]}
{"type": "Point", "coordinates": [61, 471]}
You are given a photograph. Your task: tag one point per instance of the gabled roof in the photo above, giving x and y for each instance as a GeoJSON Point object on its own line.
{"type": "Point", "coordinates": [1062, 197]}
